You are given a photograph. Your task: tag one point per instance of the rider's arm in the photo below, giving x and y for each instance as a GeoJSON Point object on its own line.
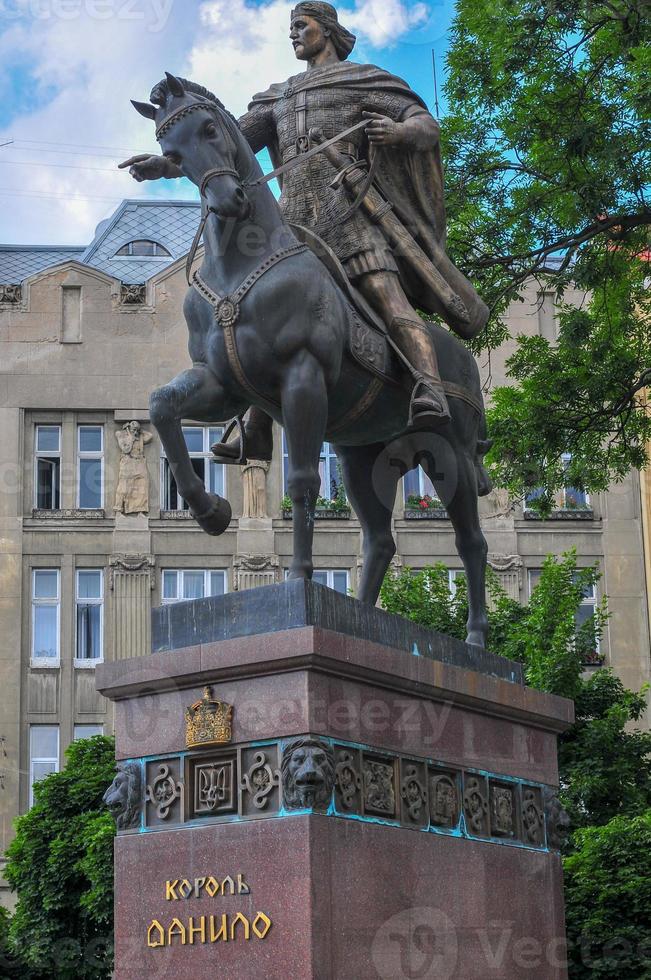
{"type": "Point", "coordinates": [419, 129]}
{"type": "Point", "coordinates": [257, 125]}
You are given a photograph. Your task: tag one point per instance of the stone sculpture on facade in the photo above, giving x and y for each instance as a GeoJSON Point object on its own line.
{"type": "Point", "coordinates": [254, 483]}
{"type": "Point", "coordinates": [307, 772]}
{"type": "Point", "coordinates": [123, 798]}
{"type": "Point", "coordinates": [341, 354]}
{"type": "Point", "coordinates": [132, 491]}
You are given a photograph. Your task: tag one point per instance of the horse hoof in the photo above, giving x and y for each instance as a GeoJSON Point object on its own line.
{"type": "Point", "coordinates": [476, 638]}
{"type": "Point", "coordinates": [217, 518]}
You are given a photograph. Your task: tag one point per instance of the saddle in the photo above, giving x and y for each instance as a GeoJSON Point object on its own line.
{"type": "Point", "coordinates": [367, 340]}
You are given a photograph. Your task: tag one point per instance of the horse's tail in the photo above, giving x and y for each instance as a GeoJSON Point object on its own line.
{"type": "Point", "coordinates": [484, 483]}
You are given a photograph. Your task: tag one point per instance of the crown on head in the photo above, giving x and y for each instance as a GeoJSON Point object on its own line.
{"type": "Point", "coordinates": [208, 722]}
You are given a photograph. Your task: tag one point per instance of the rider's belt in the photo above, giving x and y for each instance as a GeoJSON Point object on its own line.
{"type": "Point", "coordinates": [302, 137]}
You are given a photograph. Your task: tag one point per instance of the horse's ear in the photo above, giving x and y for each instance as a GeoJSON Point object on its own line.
{"type": "Point", "coordinates": [145, 109]}
{"type": "Point", "coordinates": [174, 85]}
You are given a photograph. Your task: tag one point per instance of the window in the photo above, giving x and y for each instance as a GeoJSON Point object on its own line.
{"type": "Point", "coordinates": [331, 481]}
{"type": "Point", "coordinates": [90, 467]}
{"type": "Point", "coordinates": [417, 483]}
{"type": "Point", "coordinates": [90, 610]}
{"type": "Point", "coordinates": [47, 470]}
{"type": "Point", "coordinates": [198, 439]}
{"type": "Point", "coordinates": [567, 499]}
{"type": "Point", "coordinates": [334, 578]}
{"type": "Point", "coordinates": [192, 583]}
{"type": "Point", "coordinates": [45, 615]}
{"type": "Point", "coordinates": [87, 731]}
{"type": "Point", "coordinates": [454, 576]}
{"type": "Point", "coordinates": [144, 247]}
{"type": "Point", "coordinates": [43, 754]}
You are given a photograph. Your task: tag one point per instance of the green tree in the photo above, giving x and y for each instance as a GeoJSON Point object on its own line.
{"type": "Point", "coordinates": [60, 864]}
{"type": "Point", "coordinates": [548, 170]}
{"type": "Point", "coordinates": [608, 900]}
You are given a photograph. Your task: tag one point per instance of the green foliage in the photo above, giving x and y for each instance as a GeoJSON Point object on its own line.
{"type": "Point", "coordinates": [546, 148]}
{"type": "Point", "coordinates": [542, 635]}
{"type": "Point", "coordinates": [60, 864]}
{"type": "Point", "coordinates": [608, 900]}
{"type": "Point", "coordinates": [605, 765]}
{"type": "Point", "coordinates": [9, 968]}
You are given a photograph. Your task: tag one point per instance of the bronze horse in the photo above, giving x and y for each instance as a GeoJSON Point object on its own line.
{"type": "Point", "coordinates": [270, 326]}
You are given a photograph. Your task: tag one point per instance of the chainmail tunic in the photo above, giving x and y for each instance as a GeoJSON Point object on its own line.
{"type": "Point", "coordinates": [307, 199]}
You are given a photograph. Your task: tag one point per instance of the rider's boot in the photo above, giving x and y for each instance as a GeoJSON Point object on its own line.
{"type": "Point", "coordinates": [258, 440]}
{"type": "Point", "coordinates": [429, 406]}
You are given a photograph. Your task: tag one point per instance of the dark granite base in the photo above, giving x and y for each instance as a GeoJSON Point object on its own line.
{"type": "Point", "coordinates": [299, 603]}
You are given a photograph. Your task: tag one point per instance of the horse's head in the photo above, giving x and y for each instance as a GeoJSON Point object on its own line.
{"type": "Point", "coordinates": [197, 134]}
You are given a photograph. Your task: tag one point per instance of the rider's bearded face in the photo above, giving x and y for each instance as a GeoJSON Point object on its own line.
{"type": "Point", "coordinates": [307, 37]}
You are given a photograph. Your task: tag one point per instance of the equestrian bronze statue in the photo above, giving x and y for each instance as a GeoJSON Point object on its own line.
{"type": "Point", "coordinates": [304, 310]}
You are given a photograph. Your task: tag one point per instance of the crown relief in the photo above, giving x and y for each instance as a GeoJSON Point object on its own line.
{"type": "Point", "coordinates": [208, 722]}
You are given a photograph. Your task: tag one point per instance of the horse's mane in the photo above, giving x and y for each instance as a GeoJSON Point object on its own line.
{"type": "Point", "coordinates": [161, 93]}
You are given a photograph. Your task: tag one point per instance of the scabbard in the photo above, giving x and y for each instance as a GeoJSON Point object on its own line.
{"type": "Point", "coordinates": [449, 294]}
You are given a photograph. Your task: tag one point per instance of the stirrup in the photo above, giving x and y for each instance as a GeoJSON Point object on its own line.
{"type": "Point", "coordinates": [425, 417]}
{"type": "Point", "coordinates": [219, 447]}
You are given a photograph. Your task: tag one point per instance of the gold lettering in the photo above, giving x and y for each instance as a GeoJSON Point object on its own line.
{"type": "Point", "coordinates": [266, 922]}
{"type": "Point", "coordinates": [212, 886]}
{"type": "Point", "coordinates": [185, 888]}
{"type": "Point", "coordinates": [198, 885]}
{"type": "Point", "coordinates": [170, 890]}
{"type": "Point", "coordinates": [155, 935]}
{"type": "Point", "coordinates": [201, 929]}
{"type": "Point", "coordinates": [231, 885]}
{"type": "Point", "coordinates": [223, 932]}
{"type": "Point", "coordinates": [176, 929]}
{"type": "Point", "coordinates": [247, 925]}
{"type": "Point", "coordinates": [242, 887]}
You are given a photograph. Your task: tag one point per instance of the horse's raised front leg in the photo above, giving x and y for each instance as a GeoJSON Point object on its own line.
{"type": "Point", "coordinates": [305, 412]}
{"type": "Point", "coordinates": [371, 488]}
{"type": "Point", "coordinates": [194, 394]}
{"type": "Point", "coordinates": [471, 544]}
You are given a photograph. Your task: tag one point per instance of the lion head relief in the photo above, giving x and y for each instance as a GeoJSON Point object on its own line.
{"type": "Point", "coordinates": [123, 798]}
{"type": "Point", "coordinates": [308, 772]}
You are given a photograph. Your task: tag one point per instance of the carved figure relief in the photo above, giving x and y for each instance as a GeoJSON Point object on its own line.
{"type": "Point", "coordinates": [132, 491]}
{"type": "Point", "coordinates": [379, 792]}
{"type": "Point", "coordinates": [260, 781]}
{"type": "Point", "coordinates": [475, 805]}
{"type": "Point", "coordinates": [413, 793]}
{"type": "Point", "coordinates": [502, 811]}
{"type": "Point", "coordinates": [443, 801]}
{"type": "Point", "coordinates": [348, 779]}
{"type": "Point", "coordinates": [10, 292]}
{"type": "Point", "coordinates": [254, 483]}
{"type": "Point", "coordinates": [308, 773]}
{"type": "Point", "coordinates": [123, 798]}
{"type": "Point", "coordinates": [533, 817]}
{"type": "Point", "coordinates": [556, 818]}
{"type": "Point", "coordinates": [163, 791]}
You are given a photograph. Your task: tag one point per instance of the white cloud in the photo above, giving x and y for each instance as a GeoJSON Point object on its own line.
{"type": "Point", "coordinates": [95, 55]}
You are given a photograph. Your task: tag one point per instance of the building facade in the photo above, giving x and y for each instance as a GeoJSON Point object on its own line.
{"type": "Point", "coordinates": [93, 533]}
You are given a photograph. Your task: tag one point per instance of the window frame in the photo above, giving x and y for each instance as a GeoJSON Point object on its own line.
{"type": "Point", "coordinates": [76, 727]}
{"type": "Point", "coordinates": [88, 455]}
{"type": "Point", "coordinates": [164, 254]}
{"type": "Point", "coordinates": [330, 573]}
{"type": "Point", "coordinates": [328, 469]}
{"type": "Point", "coordinates": [560, 498]}
{"type": "Point", "coordinates": [89, 662]}
{"type": "Point", "coordinates": [44, 454]}
{"type": "Point", "coordinates": [42, 759]}
{"type": "Point", "coordinates": [37, 661]}
{"type": "Point", "coordinates": [586, 601]}
{"type": "Point", "coordinates": [206, 455]}
{"type": "Point", "coordinates": [180, 574]}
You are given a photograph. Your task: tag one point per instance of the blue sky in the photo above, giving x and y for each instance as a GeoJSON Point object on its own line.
{"type": "Point", "coordinates": [69, 67]}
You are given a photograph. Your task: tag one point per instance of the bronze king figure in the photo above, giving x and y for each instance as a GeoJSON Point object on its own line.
{"type": "Point", "coordinates": [320, 329]}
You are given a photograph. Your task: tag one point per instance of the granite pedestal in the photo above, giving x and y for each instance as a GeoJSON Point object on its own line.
{"type": "Point", "coordinates": [379, 811]}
